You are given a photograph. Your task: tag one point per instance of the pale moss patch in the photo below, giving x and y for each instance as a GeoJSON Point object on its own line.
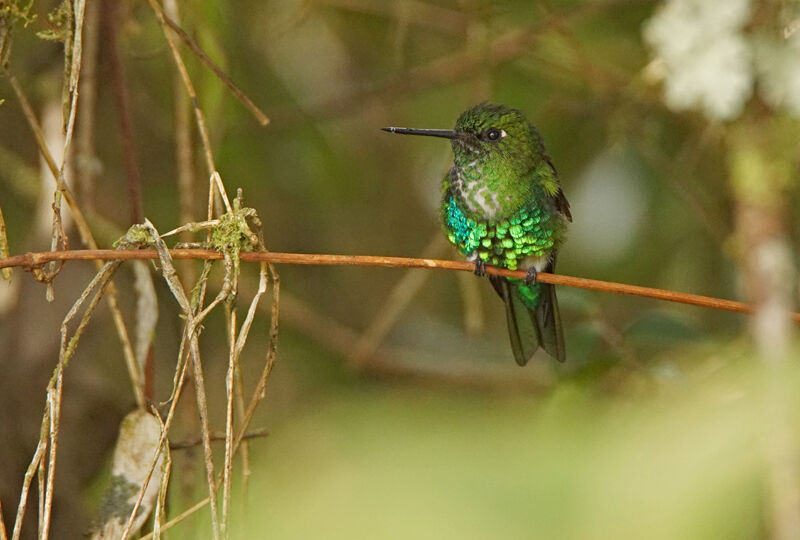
{"type": "Point", "coordinates": [14, 12]}
{"type": "Point", "coordinates": [61, 21]}
{"type": "Point", "coordinates": [116, 502]}
{"type": "Point", "coordinates": [136, 236]}
{"type": "Point", "coordinates": [232, 234]}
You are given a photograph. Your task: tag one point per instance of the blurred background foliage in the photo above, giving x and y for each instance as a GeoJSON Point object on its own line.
{"type": "Point", "coordinates": [395, 409]}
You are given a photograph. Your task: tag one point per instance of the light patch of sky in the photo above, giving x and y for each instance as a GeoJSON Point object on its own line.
{"type": "Point", "coordinates": [429, 176]}
{"type": "Point", "coordinates": [778, 65]}
{"type": "Point", "coordinates": [311, 60]}
{"type": "Point", "coordinates": [708, 60]}
{"type": "Point", "coordinates": [609, 203]}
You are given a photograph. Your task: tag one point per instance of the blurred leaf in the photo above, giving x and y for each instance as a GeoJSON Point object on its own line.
{"type": "Point", "coordinates": [136, 448]}
{"type": "Point", "coordinates": [146, 313]}
{"type": "Point", "coordinates": [662, 328]}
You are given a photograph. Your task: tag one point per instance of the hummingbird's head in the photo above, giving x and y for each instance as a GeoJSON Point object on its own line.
{"type": "Point", "coordinates": [489, 132]}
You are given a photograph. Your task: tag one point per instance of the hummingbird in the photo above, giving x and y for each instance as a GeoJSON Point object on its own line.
{"type": "Point", "coordinates": [502, 205]}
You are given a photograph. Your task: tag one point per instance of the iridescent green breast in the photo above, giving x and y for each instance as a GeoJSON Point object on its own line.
{"type": "Point", "coordinates": [530, 232]}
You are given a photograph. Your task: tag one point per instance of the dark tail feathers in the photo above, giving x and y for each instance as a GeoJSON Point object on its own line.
{"type": "Point", "coordinates": [528, 328]}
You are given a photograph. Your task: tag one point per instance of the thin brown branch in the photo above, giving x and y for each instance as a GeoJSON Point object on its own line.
{"type": "Point", "coordinates": [183, 154]}
{"type": "Point", "coordinates": [395, 362]}
{"type": "Point", "coordinates": [193, 322]}
{"type": "Point", "coordinates": [180, 377]}
{"type": "Point", "coordinates": [85, 160]}
{"type": "Point", "coordinates": [398, 299]}
{"type": "Point", "coordinates": [3, 531]}
{"type": "Point", "coordinates": [187, 82]}
{"type": "Point", "coordinates": [54, 396]}
{"type": "Point", "coordinates": [55, 388]}
{"type": "Point", "coordinates": [33, 122]}
{"type": "Point", "coordinates": [160, 508]}
{"type": "Point", "coordinates": [122, 102]}
{"type": "Point", "coordinates": [30, 260]}
{"type": "Point", "coordinates": [324, 329]}
{"type": "Point", "coordinates": [677, 173]}
{"type": "Point", "coordinates": [180, 517]}
{"type": "Point", "coordinates": [272, 351]}
{"type": "Point", "coordinates": [4, 249]}
{"type": "Point", "coordinates": [238, 384]}
{"type": "Point", "coordinates": [259, 115]}
{"type": "Point", "coordinates": [215, 437]}
{"type": "Point", "coordinates": [36, 460]}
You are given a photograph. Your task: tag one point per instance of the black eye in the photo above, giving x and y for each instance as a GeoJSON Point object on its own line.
{"type": "Point", "coordinates": [493, 134]}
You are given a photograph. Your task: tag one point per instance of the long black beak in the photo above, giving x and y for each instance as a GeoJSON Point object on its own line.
{"type": "Point", "coordinates": [446, 133]}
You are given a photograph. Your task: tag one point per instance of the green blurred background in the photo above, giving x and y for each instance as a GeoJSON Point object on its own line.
{"type": "Point", "coordinates": [395, 409]}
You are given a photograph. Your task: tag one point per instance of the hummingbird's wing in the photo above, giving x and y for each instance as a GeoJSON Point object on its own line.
{"type": "Point", "coordinates": [559, 199]}
{"type": "Point", "coordinates": [562, 204]}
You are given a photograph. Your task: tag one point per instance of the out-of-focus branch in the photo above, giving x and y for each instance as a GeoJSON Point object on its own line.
{"type": "Point", "coordinates": [190, 90]}
{"type": "Point", "coordinates": [396, 302]}
{"type": "Point", "coordinates": [85, 160]}
{"type": "Point", "coordinates": [197, 441]}
{"type": "Point", "coordinates": [763, 168]}
{"type": "Point", "coordinates": [459, 65]}
{"type": "Point", "coordinates": [183, 153]}
{"type": "Point", "coordinates": [422, 14]}
{"type": "Point", "coordinates": [122, 101]}
{"type": "Point", "coordinates": [259, 115]}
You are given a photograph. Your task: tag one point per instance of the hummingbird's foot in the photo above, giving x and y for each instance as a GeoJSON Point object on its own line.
{"type": "Point", "coordinates": [530, 276]}
{"type": "Point", "coordinates": [480, 268]}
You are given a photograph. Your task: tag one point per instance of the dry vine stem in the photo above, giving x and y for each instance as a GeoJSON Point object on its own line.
{"type": "Point", "coordinates": [51, 417]}
{"type": "Point", "coordinates": [85, 234]}
{"type": "Point", "coordinates": [193, 321]}
{"type": "Point", "coordinates": [30, 260]}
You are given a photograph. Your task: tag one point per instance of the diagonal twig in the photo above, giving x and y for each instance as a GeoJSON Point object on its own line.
{"type": "Point", "coordinates": [187, 82]}
{"type": "Point", "coordinates": [259, 115]}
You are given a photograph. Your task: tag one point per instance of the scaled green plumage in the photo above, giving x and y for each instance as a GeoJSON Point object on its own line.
{"type": "Point", "coordinates": [502, 205]}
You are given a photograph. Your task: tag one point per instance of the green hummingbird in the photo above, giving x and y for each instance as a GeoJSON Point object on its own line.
{"type": "Point", "coordinates": [502, 205]}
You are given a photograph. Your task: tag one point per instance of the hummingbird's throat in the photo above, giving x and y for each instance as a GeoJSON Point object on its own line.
{"type": "Point", "coordinates": [474, 194]}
